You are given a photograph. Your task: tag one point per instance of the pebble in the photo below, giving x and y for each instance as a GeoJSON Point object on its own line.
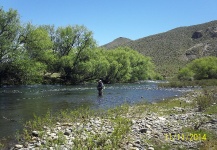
{"type": "Point", "coordinates": [67, 132]}
{"type": "Point", "coordinates": [18, 146]}
{"type": "Point", "coordinates": [35, 133]}
{"type": "Point", "coordinates": [143, 130]}
{"type": "Point", "coordinates": [150, 148]}
{"type": "Point", "coordinates": [149, 126]}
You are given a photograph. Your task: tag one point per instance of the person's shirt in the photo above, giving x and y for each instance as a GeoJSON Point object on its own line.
{"type": "Point", "coordinates": [100, 85]}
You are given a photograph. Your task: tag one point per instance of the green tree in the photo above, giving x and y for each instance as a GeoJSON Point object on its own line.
{"type": "Point", "coordinates": [28, 52]}
{"type": "Point", "coordinates": [94, 66]}
{"type": "Point", "coordinates": [25, 51]}
{"type": "Point", "coordinates": [142, 66]}
{"type": "Point", "coordinates": [120, 69]}
{"type": "Point", "coordinates": [27, 70]}
{"type": "Point", "coordinates": [72, 44]}
{"type": "Point", "coordinates": [127, 65]}
{"type": "Point", "coordinates": [205, 68]}
{"type": "Point", "coordinates": [73, 37]}
{"type": "Point", "coordinates": [202, 68]}
{"type": "Point", "coordinates": [38, 43]}
{"type": "Point", "coordinates": [50, 30]}
{"type": "Point", "coordinates": [185, 74]}
{"type": "Point", "coordinates": [9, 29]}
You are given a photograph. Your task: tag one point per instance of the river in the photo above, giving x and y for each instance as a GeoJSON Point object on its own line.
{"type": "Point", "coordinates": [19, 103]}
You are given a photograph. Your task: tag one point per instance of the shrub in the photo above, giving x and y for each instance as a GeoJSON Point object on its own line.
{"type": "Point", "coordinates": [203, 68]}
{"type": "Point", "coordinates": [206, 100]}
{"type": "Point", "coordinates": [185, 74]}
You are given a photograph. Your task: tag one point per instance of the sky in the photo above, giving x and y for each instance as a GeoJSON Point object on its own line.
{"type": "Point", "coordinates": [110, 19]}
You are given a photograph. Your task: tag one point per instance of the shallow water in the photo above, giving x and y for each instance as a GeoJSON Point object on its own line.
{"type": "Point", "coordinates": [19, 103]}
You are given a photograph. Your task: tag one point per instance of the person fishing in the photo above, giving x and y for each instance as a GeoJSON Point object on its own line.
{"type": "Point", "coordinates": [100, 87]}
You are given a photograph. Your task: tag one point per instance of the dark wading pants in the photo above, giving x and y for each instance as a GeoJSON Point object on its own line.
{"type": "Point", "coordinates": [100, 91]}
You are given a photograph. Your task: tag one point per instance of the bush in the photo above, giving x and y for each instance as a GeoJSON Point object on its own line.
{"type": "Point", "coordinates": [186, 74]}
{"type": "Point", "coordinates": [207, 99]}
{"type": "Point", "coordinates": [203, 68]}
{"type": "Point", "coordinates": [128, 65]}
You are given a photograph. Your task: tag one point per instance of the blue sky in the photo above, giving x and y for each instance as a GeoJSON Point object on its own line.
{"type": "Point", "coordinates": [110, 19]}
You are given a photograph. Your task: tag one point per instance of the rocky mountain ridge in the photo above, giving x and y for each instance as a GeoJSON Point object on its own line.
{"type": "Point", "coordinates": [117, 42]}
{"type": "Point", "coordinates": [171, 50]}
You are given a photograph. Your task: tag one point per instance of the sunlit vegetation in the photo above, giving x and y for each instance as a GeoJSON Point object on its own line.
{"type": "Point", "coordinates": [128, 65]}
{"type": "Point", "coordinates": [200, 72]}
{"type": "Point", "coordinates": [186, 83]}
{"type": "Point", "coordinates": [31, 54]}
{"type": "Point", "coordinates": [81, 115]}
{"type": "Point", "coordinates": [203, 68]}
{"type": "Point", "coordinates": [120, 118]}
{"type": "Point", "coordinates": [173, 49]}
{"type": "Point", "coordinates": [206, 101]}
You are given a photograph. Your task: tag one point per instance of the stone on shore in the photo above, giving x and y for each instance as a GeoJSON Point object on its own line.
{"type": "Point", "coordinates": [147, 127]}
{"type": "Point", "coordinates": [18, 146]}
{"type": "Point", "coordinates": [35, 133]}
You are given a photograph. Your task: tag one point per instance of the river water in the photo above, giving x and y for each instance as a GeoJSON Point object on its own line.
{"type": "Point", "coordinates": [19, 103]}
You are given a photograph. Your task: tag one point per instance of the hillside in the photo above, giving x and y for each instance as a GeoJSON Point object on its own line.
{"type": "Point", "coordinates": [117, 42]}
{"type": "Point", "coordinates": [171, 50]}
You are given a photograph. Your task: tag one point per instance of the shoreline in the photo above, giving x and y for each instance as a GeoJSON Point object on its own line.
{"type": "Point", "coordinates": [169, 124]}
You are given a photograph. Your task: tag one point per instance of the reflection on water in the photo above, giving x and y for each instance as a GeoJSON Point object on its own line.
{"type": "Point", "coordinates": [21, 102]}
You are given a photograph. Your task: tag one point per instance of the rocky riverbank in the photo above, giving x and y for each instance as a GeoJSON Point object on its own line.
{"type": "Point", "coordinates": [172, 124]}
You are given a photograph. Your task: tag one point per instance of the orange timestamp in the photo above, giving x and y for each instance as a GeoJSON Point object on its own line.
{"type": "Point", "coordinates": [186, 137]}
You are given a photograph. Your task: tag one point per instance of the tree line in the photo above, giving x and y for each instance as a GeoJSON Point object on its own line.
{"type": "Point", "coordinates": [202, 68]}
{"type": "Point", "coordinates": [30, 54]}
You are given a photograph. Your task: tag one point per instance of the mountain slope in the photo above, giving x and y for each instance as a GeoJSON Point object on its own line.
{"type": "Point", "coordinates": [117, 42]}
{"type": "Point", "coordinates": [171, 50]}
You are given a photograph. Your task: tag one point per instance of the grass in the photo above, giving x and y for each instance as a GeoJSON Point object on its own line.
{"type": "Point", "coordinates": [2, 145]}
{"type": "Point", "coordinates": [165, 107]}
{"type": "Point", "coordinates": [194, 83]}
{"type": "Point", "coordinates": [211, 110]}
{"type": "Point", "coordinates": [82, 115]}
{"type": "Point", "coordinates": [209, 145]}
{"type": "Point", "coordinates": [120, 119]}
{"type": "Point", "coordinates": [208, 138]}
{"type": "Point", "coordinates": [169, 106]}
{"type": "Point", "coordinates": [168, 49]}
{"type": "Point", "coordinates": [207, 99]}
{"type": "Point", "coordinates": [206, 135]}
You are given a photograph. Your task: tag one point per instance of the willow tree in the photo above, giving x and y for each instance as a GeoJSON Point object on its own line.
{"type": "Point", "coordinates": [25, 51]}
{"type": "Point", "coordinates": [72, 43]}
{"type": "Point", "coordinates": [127, 65]}
{"type": "Point", "coordinates": [202, 68]}
{"type": "Point", "coordinates": [9, 29]}
{"type": "Point", "coordinates": [35, 56]}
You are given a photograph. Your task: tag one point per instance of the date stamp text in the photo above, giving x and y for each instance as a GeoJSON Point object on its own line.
{"type": "Point", "coordinates": [185, 137]}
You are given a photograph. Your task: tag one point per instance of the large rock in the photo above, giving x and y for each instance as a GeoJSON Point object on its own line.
{"type": "Point", "coordinates": [197, 34]}
{"type": "Point", "coordinates": [18, 146]}
{"type": "Point", "coordinates": [143, 130]}
{"type": "Point", "coordinates": [67, 132]}
{"type": "Point", "coordinates": [35, 133]}
{"type": "Point", "coordinates": [150, 148]}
